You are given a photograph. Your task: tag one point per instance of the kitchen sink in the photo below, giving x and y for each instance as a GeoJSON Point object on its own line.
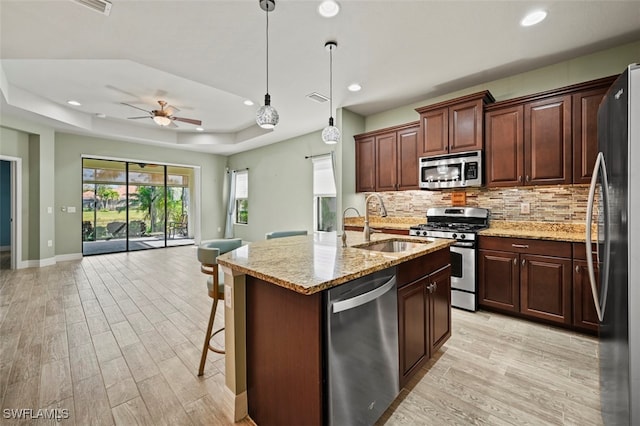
{"type": "Point", "coordinates": [391, 246]}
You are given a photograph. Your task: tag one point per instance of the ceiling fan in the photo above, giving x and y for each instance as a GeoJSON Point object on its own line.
{"type": "Point", "coordinates": [164, 116]}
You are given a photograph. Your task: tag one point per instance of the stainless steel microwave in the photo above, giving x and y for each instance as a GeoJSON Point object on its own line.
{"type": "Point", "coordinates": [460, 170]}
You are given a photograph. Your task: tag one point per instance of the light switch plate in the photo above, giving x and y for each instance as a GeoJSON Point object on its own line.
{"type": "Point", "coordinates": [71, 209]}
{"type": "Point", "coordinates": [525, 208]}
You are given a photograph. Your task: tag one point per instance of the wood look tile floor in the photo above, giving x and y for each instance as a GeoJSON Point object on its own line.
{"type": "Point", "coordinates": [116, 339]}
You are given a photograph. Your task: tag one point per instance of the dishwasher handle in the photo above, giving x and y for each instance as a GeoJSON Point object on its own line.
{"type": "Point", "coordinates": [361, 299]}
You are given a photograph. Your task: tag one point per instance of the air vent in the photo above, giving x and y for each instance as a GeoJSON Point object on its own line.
{"type": "Point", "coordinates": [102, 6]}
{"type": "Point", "coordinates": [317, 97]}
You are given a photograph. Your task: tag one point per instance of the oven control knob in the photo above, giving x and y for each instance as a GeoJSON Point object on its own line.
{"type": "Point", "coordinates": [424, 233]}
{"type": "Point", "coordinates": [455, 236]}
{"type": "Point", "coordinates": [462, 237]}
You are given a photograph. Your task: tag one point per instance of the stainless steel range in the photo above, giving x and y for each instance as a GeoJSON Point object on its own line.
{"type": "Point", "coordinates": [460, 224]}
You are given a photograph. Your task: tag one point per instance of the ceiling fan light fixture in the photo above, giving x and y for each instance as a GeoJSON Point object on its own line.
{"type": "Point", "coordinates": [267, 116]}
{"type": "Point", "coordinates": [331, 134]}
{"type": "Point", "coordinates": [161, 120]}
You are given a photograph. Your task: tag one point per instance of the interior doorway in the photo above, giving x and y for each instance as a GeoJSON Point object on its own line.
{"type": "Point", "coordinates": [128, 206]}
{"type": "Point", "coordinates": [10, 205]}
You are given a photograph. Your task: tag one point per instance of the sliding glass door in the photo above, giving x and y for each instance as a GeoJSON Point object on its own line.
{"type": "Point", "coordinates": [131, 206]}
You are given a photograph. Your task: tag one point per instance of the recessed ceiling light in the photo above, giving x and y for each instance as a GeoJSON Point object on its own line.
{"type": "Point", "coordinates": [533, 18]}
{"type": "Point", "coordinates": [354, 87]}
{"type": "Point", "coordinates": [328, 8]}
{"type": "Point", "coordinates": [74, 103]}
{"type": "Point", "coordinates": [200, 129]}
{"type": "Point", "coordinates": [248, 102]}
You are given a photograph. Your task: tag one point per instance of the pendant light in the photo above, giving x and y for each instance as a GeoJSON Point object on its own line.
{"type": "Point", "coordinates": [331, 134]}
{"type": "Point", "coordinates": [267, 117]}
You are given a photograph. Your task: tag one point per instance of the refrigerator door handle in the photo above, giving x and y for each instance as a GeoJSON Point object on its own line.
{"type": "Point", "coordinates": [599, 166]}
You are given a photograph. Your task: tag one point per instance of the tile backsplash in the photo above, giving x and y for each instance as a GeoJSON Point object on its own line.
{"type": "Point", "coordinates": [561, 203]}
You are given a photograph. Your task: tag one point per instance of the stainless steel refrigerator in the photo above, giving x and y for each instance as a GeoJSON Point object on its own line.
{"type": "Point", "coordinates": [616, 184]}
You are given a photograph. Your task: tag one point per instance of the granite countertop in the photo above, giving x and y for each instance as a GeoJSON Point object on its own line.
{"type": "Point", "coordinates": [554, 231]}
{"type": "Point", "coordinates": [312, 263]}
{"type": "Point", "coordinates": [379, 222]}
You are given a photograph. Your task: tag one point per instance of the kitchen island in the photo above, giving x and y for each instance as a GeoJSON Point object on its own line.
{"type": "Point", "coordinates": [273, 315]}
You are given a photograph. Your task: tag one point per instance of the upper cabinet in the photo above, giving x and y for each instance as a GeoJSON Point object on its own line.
{"type": "Point", "coordinates": [548, 138]}
{"type": "Point", "coordinates": [387, 160]}
{"type": "Point", "coordinates": [529, 143]}
{"type": "Point", "coordinates": [453, 126]}
{"type": "Point", "coordinates": [585, 130]}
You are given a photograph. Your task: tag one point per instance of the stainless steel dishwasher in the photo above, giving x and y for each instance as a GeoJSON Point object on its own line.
{"type": "Point", "coordinates": [362, 348]}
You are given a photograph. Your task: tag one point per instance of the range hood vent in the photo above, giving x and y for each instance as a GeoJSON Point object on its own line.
{"type": "Point", "coordinates": [102, 6]}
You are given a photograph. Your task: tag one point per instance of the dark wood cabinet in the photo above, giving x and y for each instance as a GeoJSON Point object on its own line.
{"type": "Point", "coordinates": [424, 310]}
{"type": "Point", "coordinates": [439, 300]}
{"type": "Point", "coordinates": [585, 316]}
{"type": "Point", "coordinates": [499, 280]}
{"type": "Point", "coordinates": [529, 144]}
{"type": "Point", "coordinates": [504, 146]}
{"type": "Point", "coordinates": [407, 163]}
{"type": "Point", "coordinates": [413, 321]}
{"type": "Point", "coordinates": [387, 160]}
{"type": "Point", "coordinates": [530, 277]}
{"type": "Point", "coordinates": [365, 164]}
{"type": "Point", "coordinates": [545, 287]}
{"type": "Point", "coordinates": [547, 141]}
{"type": "Point", "coordinates": [453, 126]}
{"type": "Point", "coordinates": [585, 129]}
{"type": "Point", "coordinates": [547, 138]}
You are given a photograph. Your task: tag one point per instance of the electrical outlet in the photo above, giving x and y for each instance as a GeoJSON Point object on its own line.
{"type": "Point", "coordinates": [525, 208]}
{"type": "Point", "coordinates": [50, 243]}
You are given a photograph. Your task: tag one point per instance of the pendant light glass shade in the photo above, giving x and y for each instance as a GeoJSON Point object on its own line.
{"type": "Point", "coordinates": [331, 134]}
{"type": "Point", "coordinates": [267, 117]}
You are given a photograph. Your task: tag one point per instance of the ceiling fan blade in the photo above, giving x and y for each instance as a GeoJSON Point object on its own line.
{"type": "Point", "coordinates": [135, 118]}
{"type": "Point", "coordinates": [171, 109]}
{"type": "Point", "coordinates": [187, 120]}
{"type": "Point", "coordinates": [133, 106]}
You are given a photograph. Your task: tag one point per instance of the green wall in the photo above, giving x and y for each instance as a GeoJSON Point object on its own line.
{"type": "Point", "coordinates": [68, 177]}
{"type": "Point", "coordinates": [584, 68]}
{"type": "Point", "coordinates": [280, 185]}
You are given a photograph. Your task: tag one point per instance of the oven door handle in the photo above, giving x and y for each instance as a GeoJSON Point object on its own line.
{"type": "Point", "coordinates": [463, 169]}
{"type": "Point", "coordinates": [463, 244]}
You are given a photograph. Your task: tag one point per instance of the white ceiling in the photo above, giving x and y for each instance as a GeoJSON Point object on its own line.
{"type": "Point", "coordinates": [207, 57]}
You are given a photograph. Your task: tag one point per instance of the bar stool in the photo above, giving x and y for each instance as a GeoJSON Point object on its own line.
{"type": "Point", "coordinates": [207, 255]}
{"type": "Point", "coordinates": [281, 234]}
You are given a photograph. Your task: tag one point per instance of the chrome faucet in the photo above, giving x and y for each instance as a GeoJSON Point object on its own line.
{"type": "Point", "coordinates": [383, 213]}
{"type": "Point", "coordinates": [344, 234]}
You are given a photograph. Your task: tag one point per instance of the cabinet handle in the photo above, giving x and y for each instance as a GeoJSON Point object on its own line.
{"type": "Point", "coordinates": [523, 262]}
{"type": "Point", "coordinates": [522, 246]}
{"type": "Point", "coordinates": [435, 286]}
{"type": "Point", "coordinates": [515, 261]}
{"type": "Point", "coordinates": [578, 269]}
{"type": "Point", "coordinates": [520, 179]}
{"type": "Point", "coordinates": [528, 179]}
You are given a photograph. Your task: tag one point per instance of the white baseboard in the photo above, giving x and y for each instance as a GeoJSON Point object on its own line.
{"type": "Point", "coordinates": [39, 263]}
{"type": "Point", "coordinates": [67, 257]}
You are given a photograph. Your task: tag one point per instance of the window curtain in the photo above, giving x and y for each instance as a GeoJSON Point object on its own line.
{"type": "Point", "coordinates": [228, 229]}
{"type": "Point", "coordinates": [324, 179]}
